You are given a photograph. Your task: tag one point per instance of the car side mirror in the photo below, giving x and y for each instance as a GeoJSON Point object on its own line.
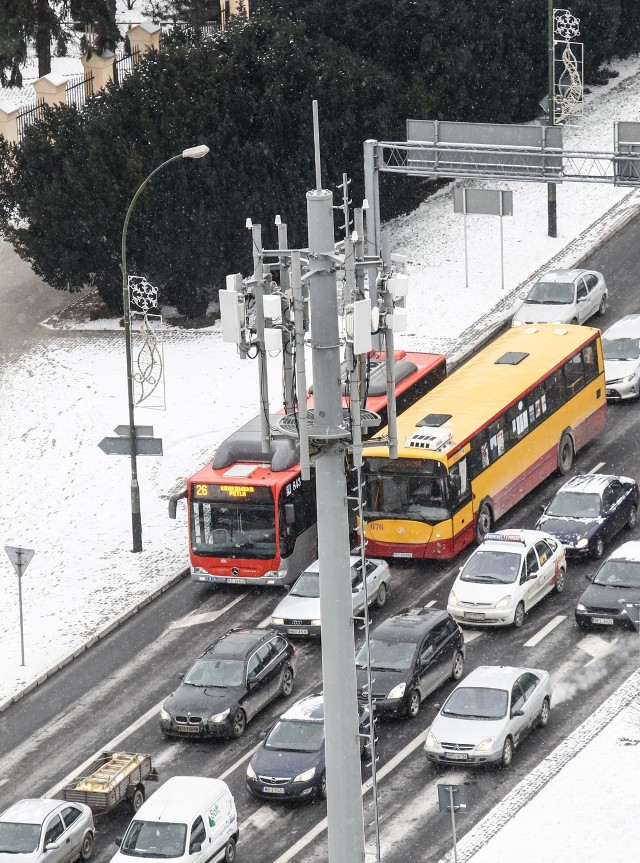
{"type": "Point", "coordinates": [517, 713]}
{"type": "Point", "coordinates": [532, 575]}
{"type": "Point", "coordinates": [51, 846]}
{"type": "Point", "coordinates": [181, 675]}
{"type": "Point", "coordinates": [195, 848]}
{"type": "Point", "coordinates": [543, 507]}
{"type": "Point", "coordinates": [522, 295]}
{"type": "Point", "coordinates": [590, 576]}
{"type": "Point", "coordinates": [118, 841]}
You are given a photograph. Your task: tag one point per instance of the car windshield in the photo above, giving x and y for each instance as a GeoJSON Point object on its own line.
{"type": "Point", "coordinates": [215, 672]}
{"type": "Point", "coordinates": [477, 702]}
{"type": "Point", "coordinates": [551, 293]}
{"type": "Point", "coordinates": [574, 504]}
{"type": "Point", "coordinates": [308, 585]}
{"type": "Point", "coordinates": [492, 567]}
{"type": "Point", "coordinates": [619, 573]}
{"type": "Point", "coordinates": [296, 736]}
{"type": "Point", "coordinates": [621, 349]}
{"type": "Point", "coordinates": [19, 838]}
{"type": "Point", "coordinates": [154, 839]}
{"type": "Point", "coordinates": [387, 655]}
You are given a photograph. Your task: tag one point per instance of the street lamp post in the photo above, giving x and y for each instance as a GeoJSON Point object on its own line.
{"type": "Point", "coordinates": [136, 520]}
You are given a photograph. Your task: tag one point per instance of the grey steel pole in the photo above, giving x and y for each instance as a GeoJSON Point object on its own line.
{"type": "Point", "coordinates": [552, 216]}
{"type": "Point", "coordinates": [258, 277]}
{"type": "Point", "coordinates": [19, 570]}
{"type": "Point", "coordinates": [288, 370]}
{"type": "Point", "coordinates": [453, 824]}
{"type": "Point", "coordinates": [301, 368]}
{"type": "Point", "coordinates": [344, 796]}
{"type": "Point", "coordinates": [136, 519]}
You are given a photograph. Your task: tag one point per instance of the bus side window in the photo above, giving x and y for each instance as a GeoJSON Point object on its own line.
{"type": "Point", "coordinates": [590, 363]}
{"type": "Point", "coordinates": [574, 375]}
{"type": "Point", "coordinates": [554, 387]}
{"type": "Point", "coordinates": [459, 481]}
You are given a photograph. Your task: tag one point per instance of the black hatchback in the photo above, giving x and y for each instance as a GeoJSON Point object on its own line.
{"type": "Point", "coordinates": [412, 653]}
{"type": "Point", "coordinates": [236, 677]}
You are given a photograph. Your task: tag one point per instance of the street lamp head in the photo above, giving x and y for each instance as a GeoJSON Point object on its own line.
{"type": "Point", "coordinates": [198, 152]}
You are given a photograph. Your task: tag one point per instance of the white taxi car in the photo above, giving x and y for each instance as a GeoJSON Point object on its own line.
{"type": "Point", "coordinates": [505, 576]}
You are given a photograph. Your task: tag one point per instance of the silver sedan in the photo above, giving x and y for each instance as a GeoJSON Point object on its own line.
{"type": "Point", "coordinates": [488, 715]}
{"type": "Point", "coordinates": [38, 830]}
{"type": "Point", "coordinates": [299, 612]}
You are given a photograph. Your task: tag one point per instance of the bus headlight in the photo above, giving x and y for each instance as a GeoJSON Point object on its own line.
{"type": "Point", "coordinates": [504, 602]}
{"type": "Point", "coordinates": [397, 691]}
{"type": "Point", "coordinates": [276, 573]}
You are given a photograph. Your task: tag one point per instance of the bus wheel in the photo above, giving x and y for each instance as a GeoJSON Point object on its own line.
{"type": "Point", "coordinates": [565, 454]}
{"type": "Point", "coordinates": [483, 523]}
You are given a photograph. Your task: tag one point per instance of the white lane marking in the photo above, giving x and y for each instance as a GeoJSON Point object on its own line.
{"type": "Point", "coordinates": [542, 633]}
{"type": "Point", "coordinates": [3, 781]}
{"type": "Point", "coordinates": [264, 623]}
{"type": "Point", "coordinates": [111, 745]}
{"type": "Point", "coordinates": [471, 634]}
{"type": "Point", "coordinates": [207, 617]}
{"type": "Point", "coordinates": [429, 604]}
{"type": "Point", "coordinates": [260, 818]}
{"type": "Point", "coordinates": [596, 646]}
{"type": "Point", "coordinates": [597, 467]}
{"type": "Point", "coordinates": [240, 760]}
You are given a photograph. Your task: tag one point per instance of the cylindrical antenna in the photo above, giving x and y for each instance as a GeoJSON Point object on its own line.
{"type": "Point", "coordinates": [316, 145]}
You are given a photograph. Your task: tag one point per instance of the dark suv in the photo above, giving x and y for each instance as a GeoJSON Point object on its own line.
{"type": "Point", "coordinates": [236, 676]}
{"type": "Point", "coordinates": [412, 653]}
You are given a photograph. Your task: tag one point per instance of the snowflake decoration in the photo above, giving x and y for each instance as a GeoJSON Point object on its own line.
{"type": "Point", "coordinates": [567, 26]}
{"type": "Point", "coordinates": [142, 293]}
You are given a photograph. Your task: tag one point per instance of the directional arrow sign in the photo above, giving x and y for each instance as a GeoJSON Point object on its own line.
{"type": "Point", "coordinates": [19, 557]}
{"type": "Point", "coordinates": [122, 446]}
{"type": "Point", "coordinates": [141, 431]}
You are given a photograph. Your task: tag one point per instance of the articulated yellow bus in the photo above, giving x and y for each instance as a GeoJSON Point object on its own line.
{"type": "Point", "coordinates": [482, 439]}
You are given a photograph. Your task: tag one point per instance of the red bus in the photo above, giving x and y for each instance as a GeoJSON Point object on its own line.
{"type": "Point", "coordinates": [252, 520]}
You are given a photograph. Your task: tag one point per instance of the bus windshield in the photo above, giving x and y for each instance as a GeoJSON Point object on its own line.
{"type": "Point", "coordinates": [240, 529]}
{"type": "Point", "coordinates": [394, 489]}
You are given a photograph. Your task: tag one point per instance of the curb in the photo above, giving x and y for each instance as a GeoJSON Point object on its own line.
{"type": "Point", "coordinates": [99, 636]}
{"type": "Point", "coordinates": [541, 775]}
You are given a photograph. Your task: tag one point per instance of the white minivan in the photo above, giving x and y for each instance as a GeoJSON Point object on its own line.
{"type": "Point", "coordinates": [189, 819]}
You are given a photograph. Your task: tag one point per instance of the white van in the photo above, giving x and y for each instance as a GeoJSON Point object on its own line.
{"type": "Point", "coordinates": [189, 819]}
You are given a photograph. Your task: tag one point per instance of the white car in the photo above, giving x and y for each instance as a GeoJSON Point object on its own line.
{"type": "Point", "coordinates": [505, 576]}
{"type": "Point", "coordinates": [621, 347]}
{"type": "Point", "coordinates": [565, 296]}
{"type": "Point", "coordinates": [38, 830]}
{"type": "Point", "coordinates": [488, 715]}
{"type": "Point", "coordinates": [299, 612]}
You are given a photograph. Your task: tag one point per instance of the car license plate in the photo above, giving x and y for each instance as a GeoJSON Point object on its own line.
{"type": "Point", "coordinates": [456, 756]}
{"type": "Point", "coordinates": [295, 631]}
{"type": "Point", "coordinates": [189, 729]}
{"type": "Point", "coordinates": [236, 581]}
{"type": "Point", "coordinates": [402, 554]}
{"type": "Point", "coordinates": [474, 615]}
{"type": "Point", "coordinates": [271, 789]}
{"type": "Point", "coordinates": [607, 621]}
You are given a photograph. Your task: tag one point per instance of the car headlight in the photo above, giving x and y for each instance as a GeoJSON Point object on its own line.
{"type": "Point", "coordinates": [277, 621]}
{"type": "Point", "coordinates": [580, 607]}
{"type": "Point", "coordinates": [219, 717]}
{"type": "Point", "coordinates": [251, 773]}
{"type": "Point", "coordinates": [431, 742]}
{"type": "Point", "coordinates": [628, 379]}
{"type": "Point", "coordinates": [164, 716]}
{"type": "Point", "coordinates": [582, 543]}
{"type": "Point", "coordinates": [306, 776]}
{"type": "Point", "coordinates": [486, 745]}
{"type": "Point", "coordinates": [316, 622]}
{"type": "Point", "coordinates": [517, 323]}
{"type": "Point", "coordinates": [504, 602]}
{"type": "Point", "coordinates": [453, 599]}
{"type": "Point", "coordinates": [275, 573]}
{"type": "Point", "coordinates": [397, 691]}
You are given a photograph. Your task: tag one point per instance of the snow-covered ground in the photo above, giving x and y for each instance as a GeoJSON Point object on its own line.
{"type": "Point", "coordinates": [70, 502]}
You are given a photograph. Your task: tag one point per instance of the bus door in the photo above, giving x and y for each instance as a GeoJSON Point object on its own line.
{"type": "Point", "coordinates": [461, 505]}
